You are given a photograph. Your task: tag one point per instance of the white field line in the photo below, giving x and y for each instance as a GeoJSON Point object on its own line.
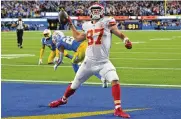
{"type": "Point", "coordinates": [27, 38]}
{"type": "Point", "coordinates": [140, 68]}
{"type": "Point", "coordinates": [7, 55]}
{"type": "Point", "coordinates": [161, 45]}
{"type": "Point", "coordinates": [170, 38]}
{"type": "Point", "coordinates": [161, 39]}
{"type": "Point", "coordinates": [120, 30]}
{"type": "Point", "coordinates": [144, 59]}
{"type": "Point", "coordinates": [12, 56]}
{"type": "Point", "coordinates": [132, 42]}
{"type": "Point", "coordinates": [158, 48]}
{"type": "Point", "coordinates": [15, 65]}
{"type": "Point", "coordinates": [148, 53]}
{"type": "Point", "coordinates": [94, 83]}
{"type": "Point", "coordinates": [113, 52]}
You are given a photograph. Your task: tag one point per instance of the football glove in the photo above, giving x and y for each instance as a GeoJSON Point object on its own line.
{"type": "Point", "coordinates": [55, 60]}
{"type": "Point", "coordinates": [57, 63]}
{"type": "Point", "coordinates": [55, 67]}
{"type": "Point", "coordinates": [40, 61]}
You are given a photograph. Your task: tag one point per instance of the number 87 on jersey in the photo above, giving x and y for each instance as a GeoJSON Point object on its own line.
{"type": "Point", "coordinates": [94, 36]}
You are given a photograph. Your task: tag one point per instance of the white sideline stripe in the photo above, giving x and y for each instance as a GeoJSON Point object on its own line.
{"type": "Point", "coordinates": [143, 59]}
{"type": "Point", "coordinates": [140, 68]}
{"type": "Point", "coordinates": [93, 83]}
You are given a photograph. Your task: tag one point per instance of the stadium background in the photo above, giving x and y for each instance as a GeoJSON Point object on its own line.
{"type": "Point", "coordinates": [155, 61]}
{"type": "Point", "coordinates": [42, 14]}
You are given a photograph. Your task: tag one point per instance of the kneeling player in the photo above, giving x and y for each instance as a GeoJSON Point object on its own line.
{"type": "Point", "coordinates": [69, 43]}
{"type": "Point", "coordinates": [47, 41]}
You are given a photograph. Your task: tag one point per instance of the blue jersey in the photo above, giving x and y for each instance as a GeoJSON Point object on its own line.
{"type": "Point", "coordinates": [69, 43]}
{"type": "Point", "coordinates": [49, 43]}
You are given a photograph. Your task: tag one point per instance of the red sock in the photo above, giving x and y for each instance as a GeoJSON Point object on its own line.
{"type": "Point", "coordinates": [116, 95]}
{"type": "Point", "coordinates": [69, 91]}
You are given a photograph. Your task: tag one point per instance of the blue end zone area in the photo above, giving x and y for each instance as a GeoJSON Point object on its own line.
{"type": "Point", "coordinates": [23, 99]}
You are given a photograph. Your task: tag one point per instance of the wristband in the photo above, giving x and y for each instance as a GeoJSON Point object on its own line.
{"type": "Point", "coordinates": [125, 39]}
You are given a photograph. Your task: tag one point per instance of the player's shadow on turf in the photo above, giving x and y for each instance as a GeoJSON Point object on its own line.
{"type": "Point", "coordinates": [42, 106]}
{"type": "Point", "coordinates": [46, 106]}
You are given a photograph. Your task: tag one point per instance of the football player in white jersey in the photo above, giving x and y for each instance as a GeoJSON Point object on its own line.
{"type": "Point", "coordinates": [98, 32]}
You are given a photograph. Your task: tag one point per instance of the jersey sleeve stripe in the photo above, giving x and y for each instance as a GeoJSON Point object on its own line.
{"type": "Point", "coordinates": [112, 23]}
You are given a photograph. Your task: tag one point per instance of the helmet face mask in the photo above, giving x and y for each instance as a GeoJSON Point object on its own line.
{"type": "Point", "coordinates": [96, 11]}
{"type": "Point", "coordinates": [47, 34]}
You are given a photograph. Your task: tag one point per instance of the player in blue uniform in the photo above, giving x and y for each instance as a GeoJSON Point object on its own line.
{"type": "Point", "coordinates": [47, 41]}
{"type": "Point", "coordinates": [69, 43]}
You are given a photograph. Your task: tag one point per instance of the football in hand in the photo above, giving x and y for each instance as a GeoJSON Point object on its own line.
{"type": "Point", "coordinates": [128, 45]}
{"type": "Point", "coordinates": [63, 16]}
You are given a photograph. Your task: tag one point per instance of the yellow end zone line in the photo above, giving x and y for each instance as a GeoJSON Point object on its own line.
{"type": "Point", "coordinates": [74, 115]}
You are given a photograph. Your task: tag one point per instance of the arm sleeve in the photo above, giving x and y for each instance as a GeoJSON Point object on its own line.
{"type": "Point", "coordinates": [59, 45]}
{"type": "Point", "coordinates": [61, 54]}
{"type": "Point", "coordinates": [111, 21]}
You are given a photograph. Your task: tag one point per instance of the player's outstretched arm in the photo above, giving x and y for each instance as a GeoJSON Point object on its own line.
{"type": "Point", "coordinates": [77, 35]}
{"type": "Point", "coordinates": [124, 38]}
{"type": "Point", "coordinates": [59, 59]}
{"type": "Point", "coordinates": [63, 16]}
{"type": "Point", "coordinates": [41, 54]}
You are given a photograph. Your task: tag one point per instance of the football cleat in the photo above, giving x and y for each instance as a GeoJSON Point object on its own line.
{"type": "Point", "coordinates": [20, 47]}
{"type": "Point", "coordinates": [57, 103]}
{"type": "Point", "coordinates": [105, 84]}
{"type": "Point", "coordinates": [120, 113]}
{"type": "Point", "coordinates": [50, 63]}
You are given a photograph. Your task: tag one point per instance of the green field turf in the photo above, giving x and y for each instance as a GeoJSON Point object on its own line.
{"type": "Point", "coordinates": [154, 59]}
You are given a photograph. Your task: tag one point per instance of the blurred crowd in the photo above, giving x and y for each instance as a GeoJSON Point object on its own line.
{"type": "Point", "coordinates": [30, 9]}
{"type": "Point", "coordinates": [173, 8]}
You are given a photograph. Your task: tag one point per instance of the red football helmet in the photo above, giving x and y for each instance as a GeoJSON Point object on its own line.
{"type": "Point", "coordinates": [96, 11]}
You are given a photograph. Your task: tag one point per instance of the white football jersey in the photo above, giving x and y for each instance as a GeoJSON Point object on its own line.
{"type": "Point", "coordinates": [99, 38]}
